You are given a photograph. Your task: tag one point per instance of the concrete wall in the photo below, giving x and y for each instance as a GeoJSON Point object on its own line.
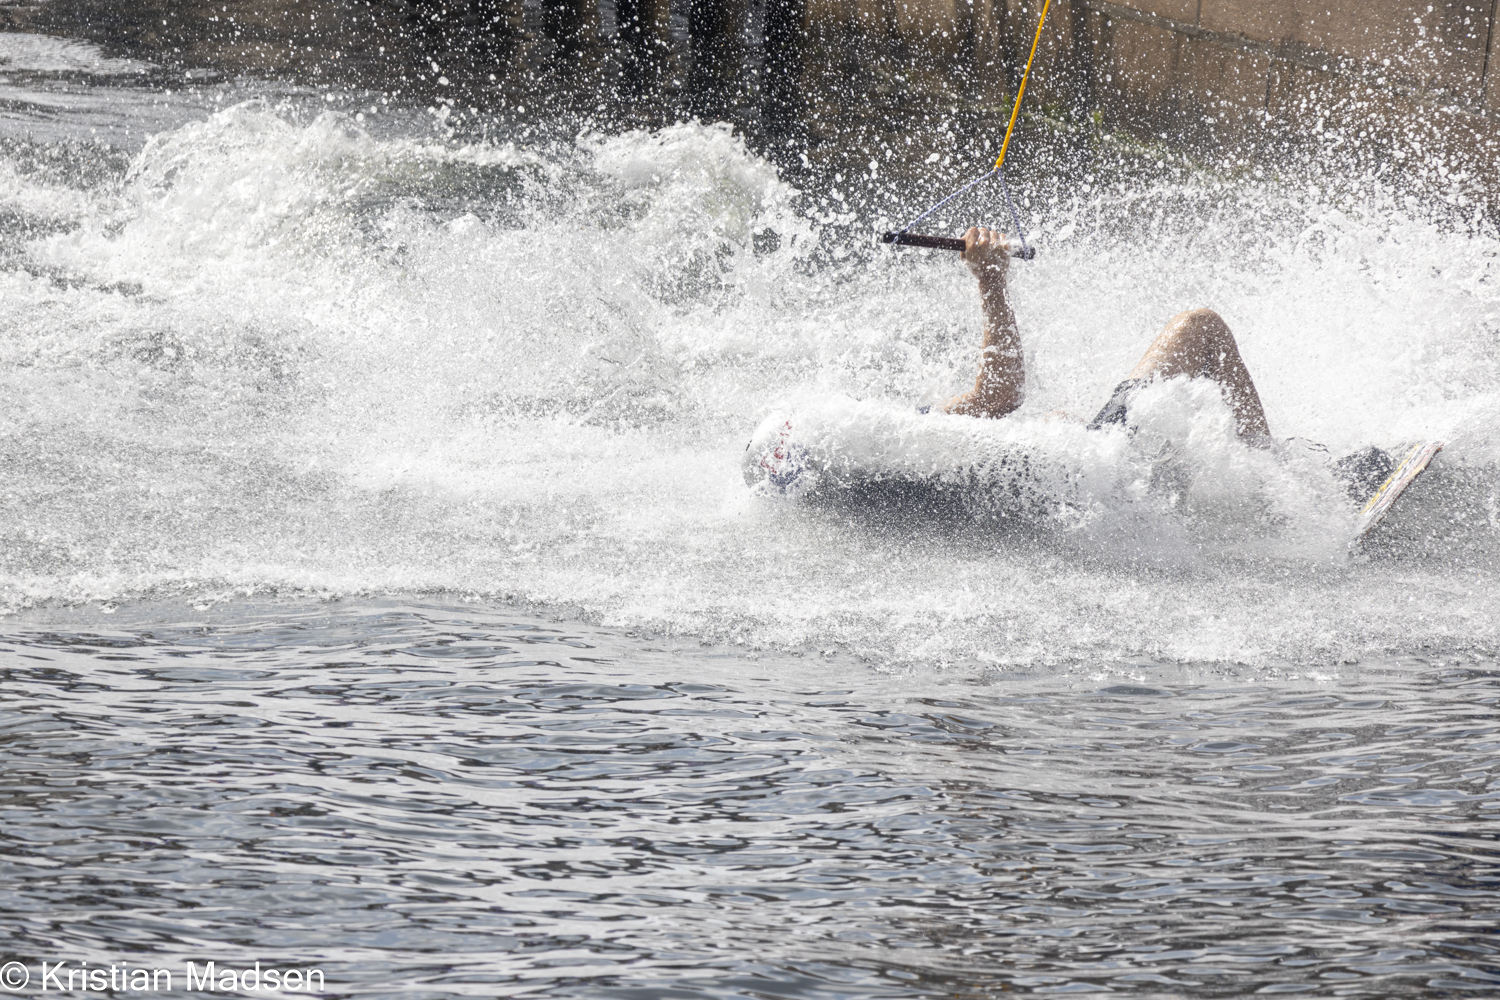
{"type": "Point", "coordinates": [1382, 82]}
{"type": "Point", "coordinates": [1238, 80]}
{"type": "Point", "coordinates": [1233, 75]}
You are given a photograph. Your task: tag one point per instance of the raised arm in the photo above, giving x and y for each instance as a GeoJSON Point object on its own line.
{"type": "Point", "coordinates": [1001, 383]}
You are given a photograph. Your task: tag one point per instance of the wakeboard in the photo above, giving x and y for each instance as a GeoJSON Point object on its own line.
{"type": "Point", "coordinates": [1380, 502]}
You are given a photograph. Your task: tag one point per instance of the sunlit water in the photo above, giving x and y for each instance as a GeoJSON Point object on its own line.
{"type": "Point", "coordinates": [257, 354]}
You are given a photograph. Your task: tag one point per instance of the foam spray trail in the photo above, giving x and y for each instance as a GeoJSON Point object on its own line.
{"type": "Point", "coordinates": [286, 355]}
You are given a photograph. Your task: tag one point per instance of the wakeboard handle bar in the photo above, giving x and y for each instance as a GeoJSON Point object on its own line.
{"type": "Point", "coordinates": [944, 243]}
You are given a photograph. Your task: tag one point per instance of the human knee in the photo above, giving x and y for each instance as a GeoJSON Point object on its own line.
{"type": "Point", "coordinates": [1195, 343]}
{"type": "Point", "coordinates": [1202, 319]}
{"type": "Point", "coordinates": [1201, 329]}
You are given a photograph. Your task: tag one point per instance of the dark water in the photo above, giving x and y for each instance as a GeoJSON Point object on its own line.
{"type": "Point", "coordinates": [427, 800]}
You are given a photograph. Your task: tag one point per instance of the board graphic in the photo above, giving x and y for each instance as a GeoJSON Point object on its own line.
{"type": "Point", "coordinates": [1379, 504]}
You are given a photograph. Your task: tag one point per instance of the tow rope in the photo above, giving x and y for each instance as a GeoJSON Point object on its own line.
{"type": "Point", "coordinates": [904, 236]}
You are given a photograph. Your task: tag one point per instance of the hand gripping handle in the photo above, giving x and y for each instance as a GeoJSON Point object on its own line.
{"type": "Point", "coordinates": [945, 243]}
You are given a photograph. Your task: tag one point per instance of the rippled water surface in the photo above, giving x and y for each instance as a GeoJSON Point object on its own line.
{"type": "Point", "coordinates": [442, 801]}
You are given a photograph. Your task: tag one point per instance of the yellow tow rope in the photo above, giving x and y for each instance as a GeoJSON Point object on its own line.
{"type": "Point", "coordinates": [1016, 111]}
{"type": "Point", "coordinates": [904, 236]}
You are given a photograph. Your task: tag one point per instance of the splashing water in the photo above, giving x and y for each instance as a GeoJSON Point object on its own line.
{"type": "Point", "coordinates": [283, 354]}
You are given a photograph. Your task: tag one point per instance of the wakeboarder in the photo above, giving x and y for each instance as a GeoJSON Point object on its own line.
{"type": "Point", "coordinates": [1195, 344]}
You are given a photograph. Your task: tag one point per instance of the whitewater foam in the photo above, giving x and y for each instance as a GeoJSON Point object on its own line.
{"type": "Point", "coordinates": [290, 355]}
{"type": "Point", "coordinates": [25, 52]}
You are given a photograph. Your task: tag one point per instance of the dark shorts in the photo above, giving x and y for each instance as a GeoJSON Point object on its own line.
{"type": "Point", "coordinates": [1115, 410]}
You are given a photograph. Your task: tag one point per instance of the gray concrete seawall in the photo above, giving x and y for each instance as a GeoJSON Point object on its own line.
{"type": "Point", "coordinates": [1236, 81]}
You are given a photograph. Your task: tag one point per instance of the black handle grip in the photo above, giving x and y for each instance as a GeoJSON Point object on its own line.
{"type": "Point", "coordinates": [930, 242]}
{"type": "Point", "coordinates": [944, 243]}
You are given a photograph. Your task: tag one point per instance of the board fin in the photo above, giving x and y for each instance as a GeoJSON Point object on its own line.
{"type": "Point", "coordinates": [1406, 470]}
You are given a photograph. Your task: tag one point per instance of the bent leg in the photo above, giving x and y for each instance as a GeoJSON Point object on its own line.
{"type": "Point", "coordinates": [1198, 344]}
